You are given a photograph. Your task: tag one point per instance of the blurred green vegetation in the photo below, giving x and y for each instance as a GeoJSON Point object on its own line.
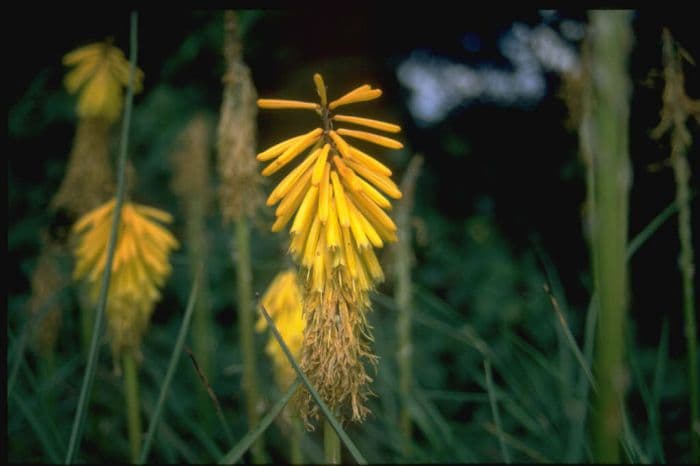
{"type": "Point", "coordinates": [484, 251]}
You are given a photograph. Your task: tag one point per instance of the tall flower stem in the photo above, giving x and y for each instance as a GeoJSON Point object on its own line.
{"type": "Point", "coordinates": [244, 278]}
{"type": "Point", "coordinates": [331, 444]}
{"type": "Point", "coordinates": [402, 296]}
{"type": "Point", "coordinates": [604, 141]}
{"type": "Point", "coordinates": [86, 389]}
{"type": "Point", "coordinates": [295, 454]}
{"type": "Point", "coordinates": [131, 396]}
{"type": "Point", "coordinates": [677, 108]}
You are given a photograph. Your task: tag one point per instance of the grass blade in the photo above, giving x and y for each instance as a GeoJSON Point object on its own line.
{"type": "Point", "coordinates": [172, 367]}
{"type": "Point", "coordinates": [85, 391]}
{"type": "Point", "coordinates": [244, 444]}
{"type": "Point", "coordinates": [494, 411]}
{"type": "Point", "coordinates": [326, 412]}
{"type": "Point", "coordinates": [641, 237]}
{"type": "Point", "coordinates": [48, 447]}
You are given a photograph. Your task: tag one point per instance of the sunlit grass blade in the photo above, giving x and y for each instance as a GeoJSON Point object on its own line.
{"type": "Point", "coordinates": [172, 367]}
{"type": "Point", "coordinates": [494, 412]}
{"type": "Point", "coordinates": [244, 444]}
{"type": "Point", "coordinates": [86, 389]}
{"type": "Point", "coordinates": [324, 408]}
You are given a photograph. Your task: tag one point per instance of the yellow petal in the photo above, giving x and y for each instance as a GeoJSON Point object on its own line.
{"type": "Point", "coordinates": [320, 88]}
{"type": "Point", "coordinates": [340, 201]}
{"type": "Point", "coordinates": [292, 151]}
{"type": "Point", "coordinates": [324, 194]}
{"type": "Point", "coordinates": [283, 103]}
{"type": "Point", "coordinates": [370, 123]}
{"type": "Point", "coordinates": [373, 212]}
{"type": "Point", "coordinates": [305, 213]}
{"type": "Point", "coordinates": [311, 241]}
{"type": "Point", "coordinates": [347, 173]}
{"type": "Point", "coordinates": [332, 228]}
{"type": "Point", "coordinates": [373, 194]}
{"type": "Point", "coordinates": [343, 147]}
{"type": "Point", "coordinates": [369, 230]}
{"type": "Point", "coordinates": [292, 177]}
{"type": "Point", "coordinates": [320, 165]}
{"type": "Point", "coordinates": [295, 196]}
{"type": "Point", "coordinates": [277, 149]}
{"type": "Point", "coordinates": [361, 94]}
{"type": "Point", "coordinates": [369, 161]}
{"type": "Point", "coordinates": [383, 183]}
{"type": "Point", "coordinates": [152, 212]}
{"type": "Point", "coordinates": [356, 226]}
{"type": "Point", "coordinates": [371, 137]}
{"type": "Point", "coordinates": [370, 259]}
{"type": "Point", "coordinates": [89, 52]}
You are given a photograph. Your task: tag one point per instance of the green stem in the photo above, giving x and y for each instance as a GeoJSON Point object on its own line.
{"type": "Point", "coordinates": [604, 130]}
{"type": "Point", "coordinates": [295, 454]}
{"type": "Point", "coordinates": [86, 389]}
{"type": "Point", "coordinates": [402, 296]}
{"type": "Point", "coordinates": [131, 395]}
{"type": "Point", "coordinates": [87, 320]}
{"type": "Point", "coordinates": [331, 444]}
{"type": "Point", "coordinates": [245, 312]}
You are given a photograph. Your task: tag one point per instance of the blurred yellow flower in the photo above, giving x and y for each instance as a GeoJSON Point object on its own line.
{"type": "Point", "coordinates": [100, 73]}
{"type": "Point", "coordinates": [337, 201]}
{"type": "Point", "coordinates": [283, 301]}
{"type": "Point", "coordinates": [139, 268]}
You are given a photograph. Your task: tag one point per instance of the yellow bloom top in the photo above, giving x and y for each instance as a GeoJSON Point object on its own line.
{"type": "Point", "coordinates": [337, 196]}
{"type": "Point", "coordinates": [100, 73]}
{"type": "Point", "coordinates": [139, 268]}
{"type": "Point", "coordinates": [283, 301]}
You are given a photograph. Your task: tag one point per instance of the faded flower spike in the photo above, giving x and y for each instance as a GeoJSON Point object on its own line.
{"type": "Point", "coordinates": [283, 301]}
{"type": "Point", "coordinates": [100, 73]}
{"type": "Point", "coordinates": [139, 268]}
{"type": "Point", "coordinates": [337, 200]}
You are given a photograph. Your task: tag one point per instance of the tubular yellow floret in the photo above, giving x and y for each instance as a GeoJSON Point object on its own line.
{"type": "Point", "coordinates": [290, 180]}
{"type": "Point", "coordinates": [340, 203]}
{"type": "Point", "coordinates": [370, 123]}
{"type": "Point", "coordinates": [342, 146]}
{"type": "Point", "coordinates": [347, 173]}
{"type": "Point", "coordinates": [370, 162]}
{"type": "Point", "coordinates": [371, 137]}
{"type": "Point", "coordinates": [324, 194]}
{"type": "Point", "coordinates": [332, 228]}
{"type": "Point", "coordinates": [303, 217]}
{"type": "Point", "coordinates": [311, 241]}
{"type": "Point", "coordinates": [356, 226]}
{"type": "Point", "coordinates": [277, 149]}
{"type": "Point", "coordinates": [375, 195]}
{"type": "Point", "coordinates": [361, 94]}
{"type": "Point", "coordinates": [292, 200]}
{"type": "Point", "coordinates": [283, 103]}
{"type": "Point", "coordinates": [320, 165]}
{"type": "Point", "coordinates": [383, 183]}
{"type": "Point", "coordinates": [292, 151]}
{"type": "Point", "coordinates": [320, 88]}
{"type": "Point", "coordinates": [374, 212]}
{"type": "Point", "coordinates": [371, 232]}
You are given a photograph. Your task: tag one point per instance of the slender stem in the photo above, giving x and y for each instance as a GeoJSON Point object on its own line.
{"type": "Point", "coordinates": [402, 295]}
{"type": "Point", "coordinates": [87, 320]}
{"type": "Point", "coordinates": [331, 444]}
{"type": "Point", "coordinates": [86, 389]}
{"type": "Point", "coordinates": [131, 396]}
{"type": "Point", "coordinates": [245, 327]}
{"type": "Point", "coordinates": [605, 129]}
{"type": "Point", "coordinates": [295, 454]}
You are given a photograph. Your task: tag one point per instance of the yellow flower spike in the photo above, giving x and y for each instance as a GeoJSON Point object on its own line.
{"type": "Point", "coordinates": [139, 267]}
{"type": "Point", "coordinates": [370, 123]}
{"type": "Point", "coordinates": [291, 179]}
{"type": "Point", "coordinates": [282, 103]}
{"type": "Point", "coordinates": [341, 205]}
{"type": "Point", "coordinates": [100, 74]}
{"type": "Point", "coordinates": [321, 88]}
{"type": "Point", "coordinates": [336, 197]}
{"type": "Point", "coordinates": [320, 165]}
{"type": "Point", "coordinates": [370, 162]}
{"type": "Point", "coordinates": [324, 194]}
{"type": "Point", "coordinates": [371, 137]}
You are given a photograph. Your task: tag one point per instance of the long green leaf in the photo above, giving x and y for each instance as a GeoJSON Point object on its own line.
{"type": "Point", "coordinates": [86, 389]}
{"type": "Point", "coordinates": [37, 426]}
{"type": "Point", "coordinates": [244, 444]}
{"type": "Point", "coordinates": [326, 412]}
{"type": "Point", "coordinates": [172, 367]}
{"type": "Point", "coordinates": [494, 412]}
